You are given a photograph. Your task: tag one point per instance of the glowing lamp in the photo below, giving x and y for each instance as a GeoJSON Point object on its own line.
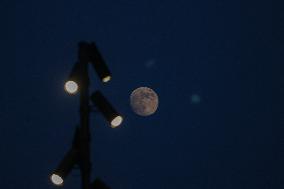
{"type": "Point", "coordinates": [106, 79]}
{"type": "Point", "coordinates": [56, 179]}
{"type": "Point", "coordinates": [99, 64]}
{"type": "Point", "coordinates": [64, 168]}
{"type": "Point", "coordinates": [110, 114]}
{"type": "Point", "coordinates": [116, 121]}
{"type": "Point", "coordinates": [71, 87]}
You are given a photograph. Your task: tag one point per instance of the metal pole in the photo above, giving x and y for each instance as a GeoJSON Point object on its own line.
{"type": "Point", "coordinates": [84, 144]}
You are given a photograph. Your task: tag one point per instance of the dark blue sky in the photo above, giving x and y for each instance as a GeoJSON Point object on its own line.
{"type": "Point", "coordinates": [227, 52]}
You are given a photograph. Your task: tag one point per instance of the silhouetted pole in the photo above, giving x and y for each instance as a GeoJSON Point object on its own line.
{"type": "Point", "coordinates": [79, 81]}
{"type": "Point", "coordinates": [85, 137]}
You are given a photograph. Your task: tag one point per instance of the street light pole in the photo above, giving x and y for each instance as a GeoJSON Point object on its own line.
{"type": "Point", "coordinates": [79, 82]}
{"type": "Point", "coordinates": [84, 134]}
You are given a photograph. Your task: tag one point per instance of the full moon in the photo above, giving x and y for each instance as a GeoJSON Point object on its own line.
{"type": "Point", "coordinates": [144, 101]}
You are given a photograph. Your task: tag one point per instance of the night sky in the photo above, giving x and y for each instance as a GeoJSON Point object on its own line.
{"type": "Point", "coordinates": [216, 65]}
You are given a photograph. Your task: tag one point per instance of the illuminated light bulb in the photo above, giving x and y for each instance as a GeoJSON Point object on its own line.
{"type": "Point", "coordinates": [56, 179]}
{"type": "Point", "coordinates": [106, 79]}
{"type": "Point", "coordinates": [116, 121]}
{"type": "Point", "coordinates": [71, 87]}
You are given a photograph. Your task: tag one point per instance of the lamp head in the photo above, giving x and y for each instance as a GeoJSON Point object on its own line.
{"type": "Point", "coordinates": [74, 82]}
{"type": "Point", "coordinates": [64, 168]}
{"type": "Point", "coordinates": [99, 64]}
{"type": "Point", "coordinates": [110, 114]}
{"type": "Point", "coordinates": [56, 179]}
{"type": "Point", "coordinates": [71, 87]}
{"type": "Point", "coordinates": [116, 121]}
